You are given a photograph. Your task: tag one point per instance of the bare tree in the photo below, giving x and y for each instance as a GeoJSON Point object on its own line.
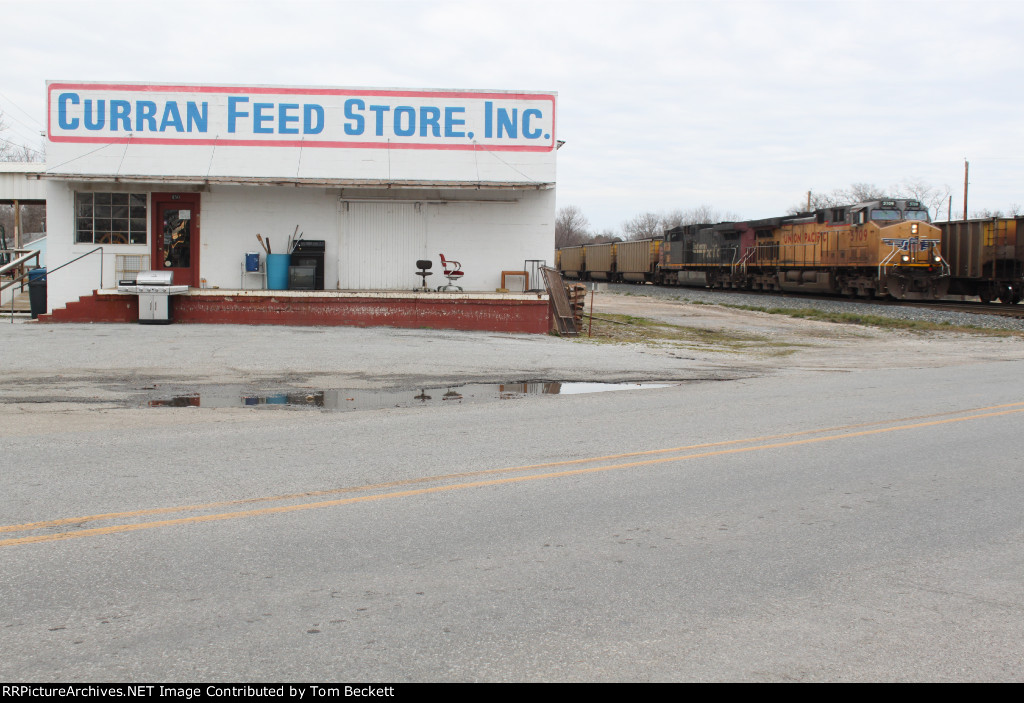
{"type": "Point", "coordinates": [856, 193]}
{"type": "Point", "coordinates": [863, 192]}
{"type": "Point", "coordinates": [604, 236]}
{"type": "Point", "coordinates": [673, 218]}
{"type": "Point", "coordinates": [33, 222]}
{"type": "Point", "coordinates": [571, 227]}
{"type": "Point", "coordinates": [706, 214]}
{"type": "Point", "coordinates": [11, 151]}
{"type": "Point", "coordinates": [647, 225]}
{"type": "Point", "coordinates": [986, 213]}
{"type": "Point", "coordinates": [932, 197]}
{"type": "Point", "coordinates": [650, 225]}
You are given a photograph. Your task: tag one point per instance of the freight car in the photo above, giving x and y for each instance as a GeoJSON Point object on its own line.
{"type": "Point", "coordinates": [599, 261]}
{"type": "Point", "coordinates": [986, 257]}
{"type": "Point", "coordinates": [637, 261]}
{"type": "Point", "coordinates": [570, 262]}
{"type": "Point", "coordinates": [876, 248]}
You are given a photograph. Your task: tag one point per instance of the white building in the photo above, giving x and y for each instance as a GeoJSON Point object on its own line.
{"type": "Point", "coordinates": [188, 175]}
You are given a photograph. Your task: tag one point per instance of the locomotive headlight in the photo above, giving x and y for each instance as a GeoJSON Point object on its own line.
{"type": "Point", "coordinates": [913, 228]}
{"type": "Point", "coordinates": [938, 259]}
{"type": "Point", "coordinates": [906, 258]}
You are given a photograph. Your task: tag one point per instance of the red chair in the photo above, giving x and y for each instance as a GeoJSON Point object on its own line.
{"type": "Point", "coordinates": [452, 271]}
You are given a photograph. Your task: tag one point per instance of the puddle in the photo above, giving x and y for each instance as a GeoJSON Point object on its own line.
{"type": "Point", "coordinates": [232, 397]}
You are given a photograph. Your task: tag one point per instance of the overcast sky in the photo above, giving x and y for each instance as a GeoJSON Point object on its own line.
{"type": "Point", "coordinates": [743, 106]}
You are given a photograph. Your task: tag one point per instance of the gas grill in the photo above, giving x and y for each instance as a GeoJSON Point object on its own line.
{"type": "Point", "coordinates": [154, 289]}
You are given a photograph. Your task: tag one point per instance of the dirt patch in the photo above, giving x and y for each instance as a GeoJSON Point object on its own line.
{"type": "Point", "coordinates": [761, 338]}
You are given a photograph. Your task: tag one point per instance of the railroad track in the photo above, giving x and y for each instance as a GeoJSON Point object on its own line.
{"type": "Point", "coordinates": [974, 308]}
{"type": "Point", "coordinates": [971, 307]}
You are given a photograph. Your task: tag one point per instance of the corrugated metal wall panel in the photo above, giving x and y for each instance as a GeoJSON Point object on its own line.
{"type": "Point", "coordinates": [962, 247]}
{"type": "Point", "coordinates": [378, 245]}
{"type": "Point", "coordinates": [635, 257]}
{"type": "Point", "coordinates": [14, 185]}
{"type": "Point", "coordinates": [598, 257]}
{"type": "Point", "coordinates": [572, 259]}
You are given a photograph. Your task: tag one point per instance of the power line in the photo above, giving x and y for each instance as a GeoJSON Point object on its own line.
{"type": "Point", "coordinates": [21, 146]}
{"type": "Point", "coordinates": [24, 112]}
{"type": "Point", "coordinates": [26, 126]}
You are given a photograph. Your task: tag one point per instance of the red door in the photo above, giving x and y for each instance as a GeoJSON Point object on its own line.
{"type": "Point", "coordinates": [176, 236]}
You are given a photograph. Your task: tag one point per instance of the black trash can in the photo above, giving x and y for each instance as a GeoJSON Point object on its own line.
{"type": "Point", "coordinates": [37, 292]}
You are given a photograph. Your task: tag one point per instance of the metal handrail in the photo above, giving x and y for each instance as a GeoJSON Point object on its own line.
{"type": "Point", "coordinates": [54, 270]}
{"type": "Point", "coordinates": [18, 263]}
{"type": "Point", "coordinates": [81, 256]}
{"type": "Point", "coordinates": [885, 264]}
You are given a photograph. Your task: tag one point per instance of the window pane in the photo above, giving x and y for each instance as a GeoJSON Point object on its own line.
{"type": "Point", "coordinates": [83, 204]}
{"type": "Point", "coordinates": [110, 218]}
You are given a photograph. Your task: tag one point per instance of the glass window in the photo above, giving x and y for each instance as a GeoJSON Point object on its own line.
{"type": "Point", "coordinates": [886, 215]}
{"type": "Point", "coordinates": [110, 218]}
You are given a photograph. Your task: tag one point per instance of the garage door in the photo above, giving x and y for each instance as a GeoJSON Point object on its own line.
{"type": "Point", "coordinates": [378, 245]}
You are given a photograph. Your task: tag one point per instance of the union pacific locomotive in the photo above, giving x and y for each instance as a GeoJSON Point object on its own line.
{"type": "Point", "coordinates": [876, 248]}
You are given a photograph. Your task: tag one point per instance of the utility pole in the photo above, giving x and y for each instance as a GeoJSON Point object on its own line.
{"type": "Point", "coordinates": [966, 164]}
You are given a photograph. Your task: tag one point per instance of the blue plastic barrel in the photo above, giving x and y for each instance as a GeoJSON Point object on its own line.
{"type": "Point", "coordinates": [277, 271]}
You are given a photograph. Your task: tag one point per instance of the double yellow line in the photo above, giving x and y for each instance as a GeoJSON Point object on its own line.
{"type": "Point", "coordinates": [487, 477]}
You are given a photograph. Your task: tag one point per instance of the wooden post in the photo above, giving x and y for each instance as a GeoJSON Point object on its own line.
{"type": "Point", "coordinates": [17, 225]}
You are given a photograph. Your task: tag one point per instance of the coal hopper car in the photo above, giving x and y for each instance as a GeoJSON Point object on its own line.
{"type": "Point", "coordinates": [986, 257]}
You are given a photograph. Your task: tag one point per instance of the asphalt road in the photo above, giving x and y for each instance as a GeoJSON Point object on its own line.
{"type": "Point", "coordinates": [813, 526]}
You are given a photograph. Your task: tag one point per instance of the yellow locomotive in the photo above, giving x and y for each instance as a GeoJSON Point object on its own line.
{"type": "Point", "coordinates": [876, 248]}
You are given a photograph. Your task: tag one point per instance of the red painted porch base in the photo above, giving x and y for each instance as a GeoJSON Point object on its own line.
{"type": "Point", "coordinates": [458, 311]}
